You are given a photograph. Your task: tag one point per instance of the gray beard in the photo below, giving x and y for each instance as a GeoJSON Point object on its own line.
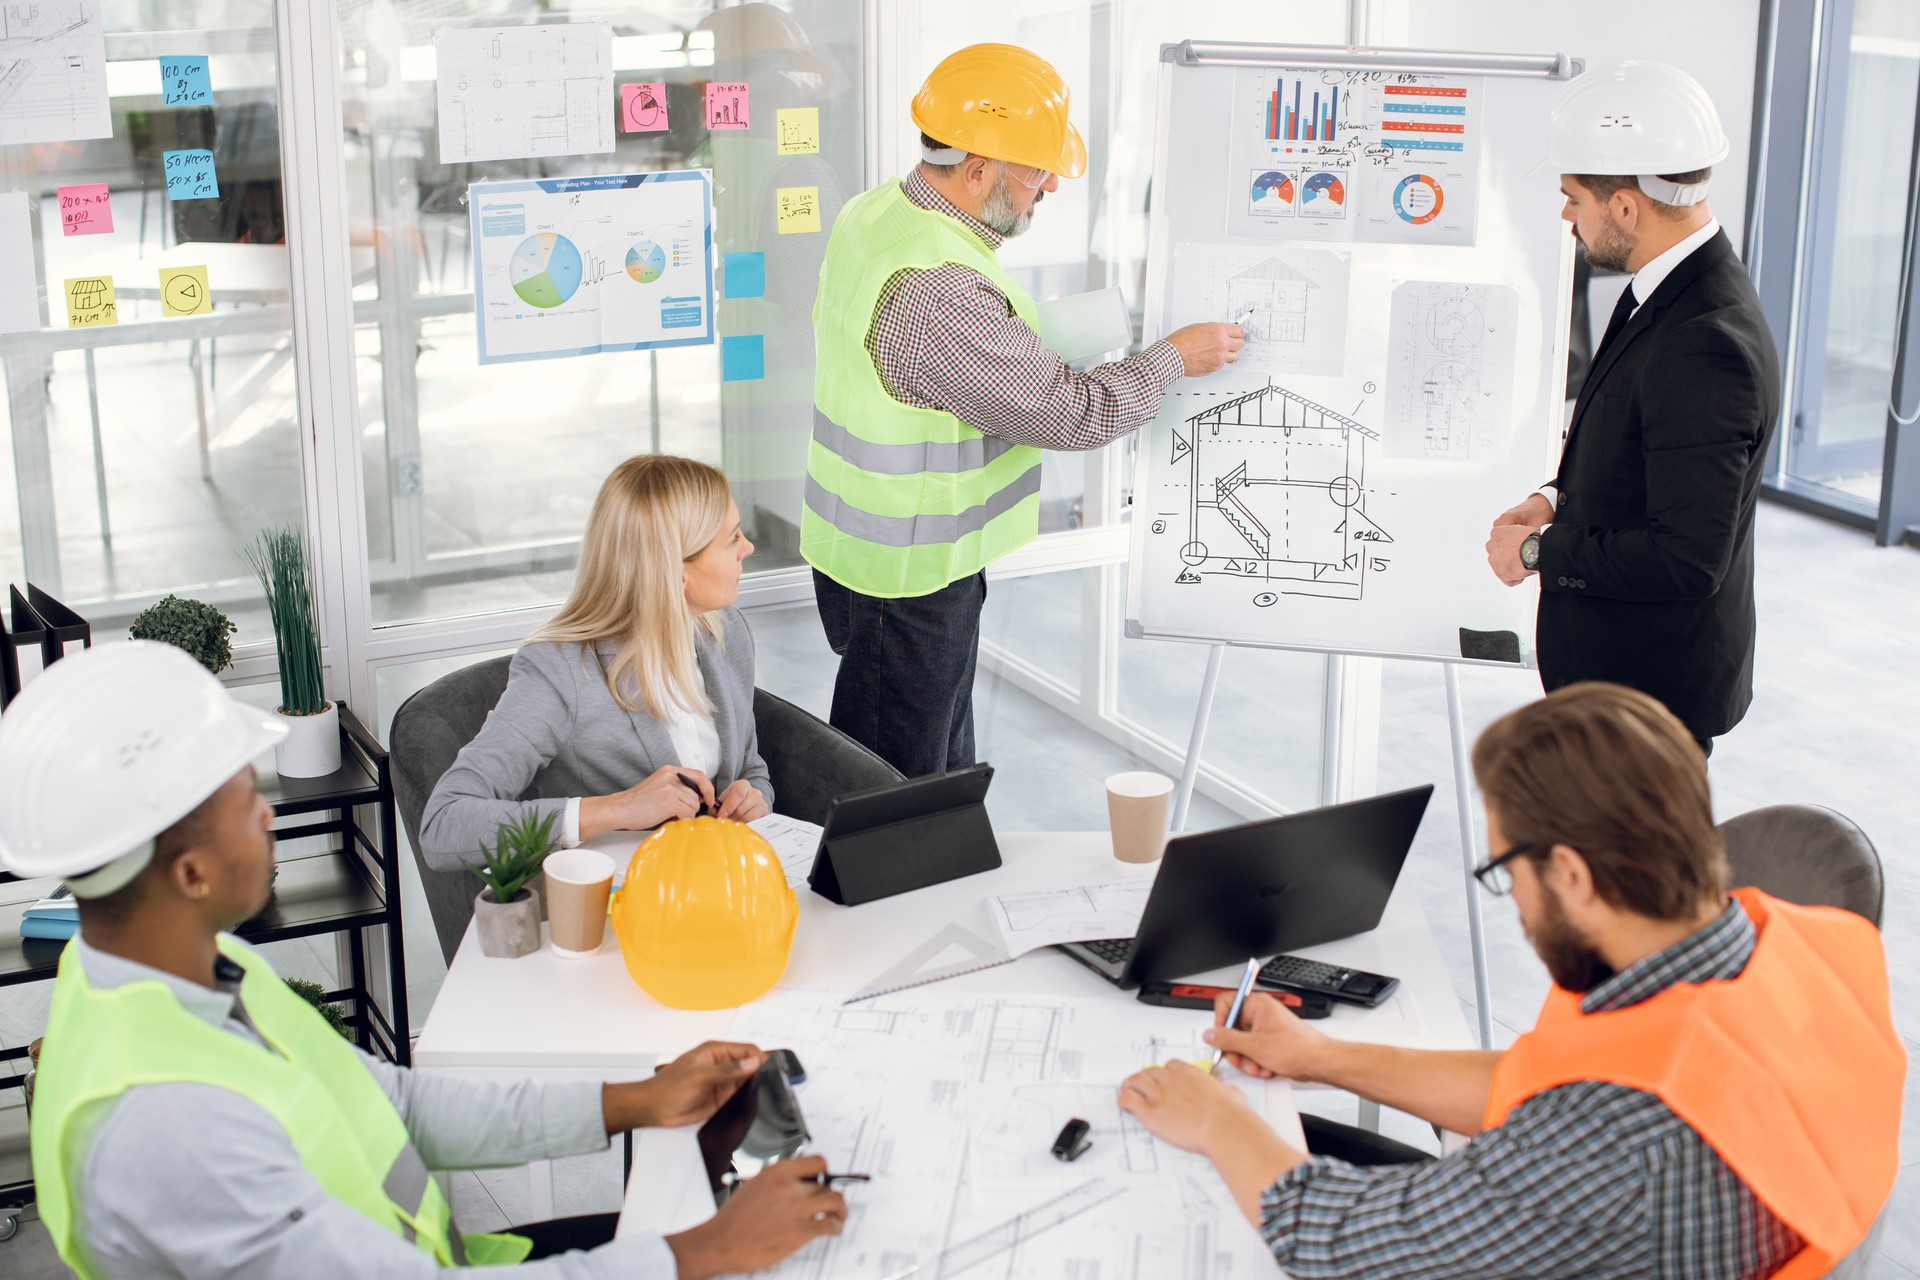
{"type": "Point", "coordinates": [998, 212]}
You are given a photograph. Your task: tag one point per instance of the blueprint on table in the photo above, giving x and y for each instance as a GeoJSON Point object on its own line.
{"type": "Point", "coordinates": [952, 1104]}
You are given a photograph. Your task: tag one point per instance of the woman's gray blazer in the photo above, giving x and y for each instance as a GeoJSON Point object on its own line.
{"type": "Point", "coordinates": [557, 733]}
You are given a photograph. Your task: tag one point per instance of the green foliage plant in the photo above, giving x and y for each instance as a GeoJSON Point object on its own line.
{"type": "Point", "coordinates": [199, 628]}
{"type": "Point", "coordinates": [519, 848]}
{"type": "Point", "coordinates": [279, 559]}
{"type": "Point", "coordinates": [316, 995]}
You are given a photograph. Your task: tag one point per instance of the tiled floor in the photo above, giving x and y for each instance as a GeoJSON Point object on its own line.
{"type": "Point", "coordinates": [1836, 721]}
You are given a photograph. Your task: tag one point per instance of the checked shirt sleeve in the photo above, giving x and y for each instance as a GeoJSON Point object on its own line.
{"type": "Point", "coordinates": [946, 338]}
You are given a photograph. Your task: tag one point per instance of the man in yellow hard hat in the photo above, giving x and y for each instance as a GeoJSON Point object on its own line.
{"type": "Point", "coordinates": [195, 1117]}
{"type": "Point", "coordinates": [933, 397]}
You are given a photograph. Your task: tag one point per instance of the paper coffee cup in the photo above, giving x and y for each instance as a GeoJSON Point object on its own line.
{"type": "Point", "coordinates": [578, 883]}
{"type": "Point", "coordinates": [1138, 805]}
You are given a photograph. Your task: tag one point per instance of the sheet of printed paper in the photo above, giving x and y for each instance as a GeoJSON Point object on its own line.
{"type": "Point", "coordinates": [85, 210]}
{"type": "Point", "coordinates": [1028, 921]}
{"type": "Point", "coordinates": [510, 93]}
{"type": "Point", "coordinates": [19, 299]}
{"type": "Point", "coordinates": [1374, 156]}
{"type": "Point", "coordinates": [1450, 371]}
{"type": "Point", "coordinates": [1290, 299]}
{"type": "Point", "coordinates": [53, 72]}
{"type": "Point", "coordinates": [795, 841]}
{"type": "Point", "coordinates": [952, 1104]}
{"type": "Point", "coordinates": [572, 266]}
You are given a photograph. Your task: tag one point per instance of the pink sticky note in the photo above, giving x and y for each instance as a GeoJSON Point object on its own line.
{"type": "Point", "coordinates": [726, 105]}
{"type": "Point", "coordinates": [643, 108]}
{"type": "Point", "coordinates": [85, 211]}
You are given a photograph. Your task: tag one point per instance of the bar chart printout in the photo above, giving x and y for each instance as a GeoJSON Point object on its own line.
{"type": "Point", "coordinates": [1297, 113]}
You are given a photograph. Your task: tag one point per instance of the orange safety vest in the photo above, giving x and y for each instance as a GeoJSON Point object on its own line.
{"type": "Point", "coordinates": [1792, 1071]}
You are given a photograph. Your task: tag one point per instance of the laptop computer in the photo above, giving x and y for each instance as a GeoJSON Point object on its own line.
{"type": "Point", "coordinates": [1263, 888]}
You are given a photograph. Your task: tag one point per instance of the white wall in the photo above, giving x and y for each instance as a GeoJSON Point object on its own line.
{"type": "Point", "coordinates": [1715, 41]}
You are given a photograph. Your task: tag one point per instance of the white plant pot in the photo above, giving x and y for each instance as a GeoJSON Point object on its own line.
{"type": "Point", "coordinates": [311, 748]}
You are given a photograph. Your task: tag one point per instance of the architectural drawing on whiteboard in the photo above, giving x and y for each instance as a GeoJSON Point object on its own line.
{"type": "Point", "coordinates": [1276, 295]}
{"type": "Point", "coordinates": [1277, 495]}
{"type": "Point", "coordinates": [53, 71]}
{"type": "Point", "coordinates": [1450, 371]}
{"type": "Point", "coordinates": [509, 93]}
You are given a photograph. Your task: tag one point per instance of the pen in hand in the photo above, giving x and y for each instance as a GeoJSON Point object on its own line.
{"type": "Point", "coordinates": [694, 787]}
{"type": "Point", "coordinates": [732, 1179]}
{"type": "Point", "coordinates": [1247, 976]}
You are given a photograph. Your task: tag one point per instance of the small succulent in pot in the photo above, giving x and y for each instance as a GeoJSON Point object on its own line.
{"type": "Point", "coordinates": [507, 911]}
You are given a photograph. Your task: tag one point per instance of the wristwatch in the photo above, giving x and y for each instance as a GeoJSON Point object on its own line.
{"type": "Point", "coordinates": [1530, 552]}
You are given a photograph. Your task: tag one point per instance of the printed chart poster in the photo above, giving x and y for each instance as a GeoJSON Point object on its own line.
{"type": "Point", "coordinates": [1381, 157]}
{"type": "Point", "coordinates": [572, 266]}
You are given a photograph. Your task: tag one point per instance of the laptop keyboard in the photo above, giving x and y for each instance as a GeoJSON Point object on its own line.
{"type": "Point", "coordinates": [1112, 950]}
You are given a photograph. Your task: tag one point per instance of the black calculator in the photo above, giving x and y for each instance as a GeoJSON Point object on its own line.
{"type": "Point", "coordinates": [1351, 986]}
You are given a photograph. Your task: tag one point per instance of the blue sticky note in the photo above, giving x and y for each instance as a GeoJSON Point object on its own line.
{"type": "Point", "coordinates": [184, 81]}
{"type": "Point", "coordinates": [745, 275]}
{"type": "Point", "coordinates": [743, 358]}
{"type": "Point", "coordinates": [190, 175]}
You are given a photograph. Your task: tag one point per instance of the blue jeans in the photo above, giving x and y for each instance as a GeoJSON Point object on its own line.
{"type": "Point", "coordinates": [905, 687]}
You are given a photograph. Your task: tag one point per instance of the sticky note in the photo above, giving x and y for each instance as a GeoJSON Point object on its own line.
{"type": "Point", "coordinates": [797, 131]}
{"type": "Point", "coordinates": [744, 275]}
{"type": "Point", "coordinates": [183, 291]}
{"type": "Point", "coordinates": [727, 105]}
{"type": "Point", "coordinates": [796, 209]}
{"type": "Point", "coordinates": [743, 358]}
{"type": "Point", "coordinates": [190, 175]}
{"type": "Point", "coordinates": [184, 81]}
{"type": "Point", "coordinates": [643, 107]}
{"type": "Point", "coordinates": [90, 302]}
{"type": "Point", "coordinates": [85, 211]}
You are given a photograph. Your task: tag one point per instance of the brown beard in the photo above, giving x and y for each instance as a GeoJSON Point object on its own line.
{"type": "Point", "coordinates": [1571, 960]}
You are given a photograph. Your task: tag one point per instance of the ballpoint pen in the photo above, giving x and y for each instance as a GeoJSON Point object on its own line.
{"type": "Point", "coordinates": [732, 1179]}
{"type": "Point", "coordinates": [1251, 972]}
{"type": "Point", "coordinates": [694, 787]}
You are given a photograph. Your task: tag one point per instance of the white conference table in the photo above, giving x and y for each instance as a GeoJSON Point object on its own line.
{"type": "Point", "coordinates": [543, 1016]}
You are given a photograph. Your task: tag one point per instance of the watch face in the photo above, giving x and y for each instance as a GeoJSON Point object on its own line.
{"type": "Point", "coordinates": [1530, 551]}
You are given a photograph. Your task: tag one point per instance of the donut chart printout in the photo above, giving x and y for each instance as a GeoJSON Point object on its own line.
{"type": "Point", "coordinates": [574, 266]}
{"type": "Point", "coordinates": [1375, 157]}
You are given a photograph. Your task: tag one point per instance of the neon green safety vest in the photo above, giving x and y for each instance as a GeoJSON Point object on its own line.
{"type": "Point", "coordinates": [901, 501]}
{"type": "Point", "coordinates": [101, 1043]}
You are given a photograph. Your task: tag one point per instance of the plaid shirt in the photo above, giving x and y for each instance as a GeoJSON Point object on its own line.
{"type": "Point", "coordinates": [1588, 1179]}
{"type": "Point", "coordinates": [948, 339]}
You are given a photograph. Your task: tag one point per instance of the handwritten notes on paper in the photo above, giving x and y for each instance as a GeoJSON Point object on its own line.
{"type": "Point", "coordinates": [90, 302]}
{"type": "Point", "coordinates": [727, 104]}
{"type": "Point", "coordinates": [796, 210]}
{"type": "Point", "coordinates": [184, 292]}
{"type": "Point", "coordinates": [190, 175]}
{"type": "Point", "coordinates": [85, 210]}
{"type": "Point", "coordinates": [184, 82]}
{"type": "Point", "coordinates": [797, 131]}
{"type": "Point", "coordinates": [643, 107]}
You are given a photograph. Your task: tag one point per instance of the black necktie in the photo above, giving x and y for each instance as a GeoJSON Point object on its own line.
{"type": "Point", "coordinates": [1622, 310]}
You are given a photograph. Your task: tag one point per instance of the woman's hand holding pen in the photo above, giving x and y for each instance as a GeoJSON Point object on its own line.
{"type": "Point", "coordinates": [669, 792]}
{"type": "Point", "coordinates": [742, 802]}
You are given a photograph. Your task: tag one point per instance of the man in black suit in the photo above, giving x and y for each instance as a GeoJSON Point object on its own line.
{"type": "Point", "coordinates": [1644, 539]}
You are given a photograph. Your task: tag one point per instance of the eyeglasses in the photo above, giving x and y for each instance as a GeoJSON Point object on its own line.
{"type": "Point", "coordinates": [1027, 176]}
{"type": "Point", "coordinates": [1494, 875]}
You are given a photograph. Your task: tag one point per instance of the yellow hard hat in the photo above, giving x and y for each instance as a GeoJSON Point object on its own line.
{"type": "Point", "coordinates": [705, 918]}
{"type": "Point", "coordinates": [1005, 103]}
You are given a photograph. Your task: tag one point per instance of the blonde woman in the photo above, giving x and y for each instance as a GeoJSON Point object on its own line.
{"type": "Point", "coordinates": [644, 678]}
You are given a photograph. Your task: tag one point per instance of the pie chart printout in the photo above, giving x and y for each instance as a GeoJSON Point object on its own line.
{"type": "Point", "coordinates": [1272, 191]}
{"type": "Point", "coordinates": [1324, 195]}
{"type": "Point", "coordinates": [646, 261]}
{"type": "Point", "coordinates": [546, 269]}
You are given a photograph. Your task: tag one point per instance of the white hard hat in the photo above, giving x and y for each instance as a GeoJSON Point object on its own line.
{"type": "Point", "coordinates": [1641, 119]}
{"type": "Point", "coordinates": [108, 748]}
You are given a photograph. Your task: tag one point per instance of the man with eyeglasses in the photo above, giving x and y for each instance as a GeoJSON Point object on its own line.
{"type": "Point", "coordinates": [933, 398]}
{"type": "Point", "coordinates": [1712, 1088]}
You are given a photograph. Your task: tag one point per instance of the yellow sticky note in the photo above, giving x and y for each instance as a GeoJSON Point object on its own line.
{"type": "Point", "coordinates": [183, 291]}
{"type": "Point", "coordinates": [90, 302]}
{"type": "Point", "coordinates": [797, 131]}
{"type": "Point", "coordinates": [796, 209]}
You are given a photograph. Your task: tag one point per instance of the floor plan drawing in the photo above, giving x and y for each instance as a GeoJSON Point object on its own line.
{"type": "Point", "coordinates": [53, 71]}
{"type": "Point", "coordinates": [1273, 299]}
{"type": "Point", "coordinates": [1291, 301]}
{"type": "Point", "coordinates": [1450, 371]}
{"type": "Point", "coordinates": [509, 93]}
{"type": "Point", "coordinates": [1275, 490]}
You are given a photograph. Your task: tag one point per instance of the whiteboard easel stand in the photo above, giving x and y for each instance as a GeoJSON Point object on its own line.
{"type": "Point", "coordinates": [1463, 800]}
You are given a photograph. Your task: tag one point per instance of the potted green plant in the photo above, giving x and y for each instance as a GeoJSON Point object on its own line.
{"type": "Point", "coordinates": [311, 748]}
{"type": "Point", "coordinates": [193, 625]}
{"type": "Point", "coordinates": [506, 914]}
{"type": "Point", "coordinates": [316, 995]}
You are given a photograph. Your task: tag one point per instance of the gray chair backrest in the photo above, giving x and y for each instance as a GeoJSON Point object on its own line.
{"type": "Point", "coordinates": [1808, 855]}
{"type": "Point", "coordinates": [428, 731]}
{"type": "Point", "coordinates": [808, 761]}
